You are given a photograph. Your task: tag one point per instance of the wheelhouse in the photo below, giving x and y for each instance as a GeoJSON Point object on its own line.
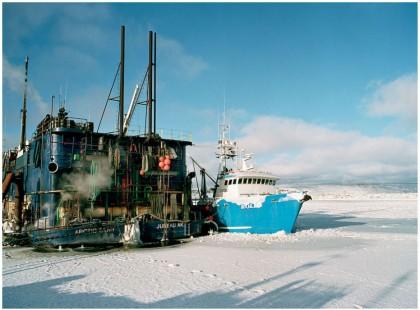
{"type": "Point", "coordinates": [250, 180]}
{"type": "Point", "coordinates": [246, 183]}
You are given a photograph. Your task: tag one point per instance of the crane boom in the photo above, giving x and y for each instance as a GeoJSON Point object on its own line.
{"type": "Point", "coordinates": [204, 170]}
{"type": "Point", "coordinates": [131, 108]}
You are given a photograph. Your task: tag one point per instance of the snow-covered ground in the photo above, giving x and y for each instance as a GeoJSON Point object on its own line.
{"type": "Point", "coordinates": [352, 249]}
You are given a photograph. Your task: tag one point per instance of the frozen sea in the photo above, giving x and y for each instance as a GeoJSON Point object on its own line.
{"type": "Point", "coordinates": [355, 247]}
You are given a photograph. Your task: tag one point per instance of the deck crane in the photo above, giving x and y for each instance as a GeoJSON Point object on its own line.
{"type": "Point", "coordinates": [131, 108]}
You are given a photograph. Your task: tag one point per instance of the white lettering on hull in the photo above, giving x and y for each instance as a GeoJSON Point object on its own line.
{"type": "Point", "coordinates": [250, 206]}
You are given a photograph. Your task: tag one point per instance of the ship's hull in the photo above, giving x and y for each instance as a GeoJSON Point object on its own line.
{"type": "Point", "coordinates": [117, 232]}
{"type": "Point", "coordinates": [260, 214]}
{"type": "Point", "coordinates": [154, 231]}
{"type": "Point", "coordinates": [86, 233]}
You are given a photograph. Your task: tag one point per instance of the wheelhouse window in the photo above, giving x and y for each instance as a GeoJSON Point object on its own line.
{"type": "Point", "coordinates": [226, 182]}
{"type": "Point", "coordinates": [254, 181]}
{"type": "Point", "coordinates": [240, 181]}
{"type": "Point", "coordinates": [234, 181]}
{"type": "Point", "coordinates": [259, 181]}
{"type": "Point", "coordinates": [249, 181]}
{"type": "Point", "coordinates": [230, 182]}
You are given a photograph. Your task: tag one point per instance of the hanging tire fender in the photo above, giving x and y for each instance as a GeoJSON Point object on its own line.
{"type": "Point", "coordinates": [209, 227]}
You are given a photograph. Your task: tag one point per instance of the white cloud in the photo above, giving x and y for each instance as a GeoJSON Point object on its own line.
{"type": "Point", "coordinates": [89, 104]}
{"type": "Point", "coordinates": [82, 25]}
{"type": "Point", "coordinates": [180, 60]}
{"type": "Point", "coordinates": [84, 12]}
{"type": "Point", "coordinates": [205, 155]}
{"type": "Point", "coordinates": [72, 58]}
{"type": "Point", "coordinates": [82, 34]}
{"type": "Point", "coordinates": [294, 133]}
{"type": "Point", "coordinates": [299, 149]}
{"type": "Point", "coordinates": [85, 26]}
{"type": "Point", "coordinates": [14, 77]}
{"type": "Point", "coordinates": [20, 19]}
{"type": "Point", "coordinates": [397, 99]}
{"type": "Point", "coordinates": [296, 150]}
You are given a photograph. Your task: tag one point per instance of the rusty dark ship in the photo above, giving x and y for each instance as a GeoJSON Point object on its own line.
{"type": "Point", "coordinates": [71, 185]}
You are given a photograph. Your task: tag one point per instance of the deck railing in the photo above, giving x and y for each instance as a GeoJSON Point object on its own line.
{"type": "Point", "coordinates": [165, 133]}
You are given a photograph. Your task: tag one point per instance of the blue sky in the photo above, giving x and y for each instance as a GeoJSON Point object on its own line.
{"type": "Point", "coordinates": [339, 70]}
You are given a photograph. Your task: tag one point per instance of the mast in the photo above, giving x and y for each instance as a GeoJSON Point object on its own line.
{"type": "Point", "coordinates": [154, 85]}
{"type": "Point", "coordinates": [150, 85]}
{"type": "Point", "coordinates": [121, 105]}
{"type": "Point", "coordinates": [23, 126]}
{"type": "Point", "coordinates": [227, 149]}
{"type": "Point", "coordinates": [52, 105]}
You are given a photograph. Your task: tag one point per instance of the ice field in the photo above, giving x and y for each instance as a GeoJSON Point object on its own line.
{"type": "Point", "coordinates": [354, 247]}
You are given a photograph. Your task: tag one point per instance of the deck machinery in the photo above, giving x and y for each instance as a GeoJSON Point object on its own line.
{"type": "Point", "coordinates": [70, 184]}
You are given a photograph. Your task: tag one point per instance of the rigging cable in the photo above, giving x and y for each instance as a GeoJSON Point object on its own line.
{"type": "Point", "coordinates": [109, 95]}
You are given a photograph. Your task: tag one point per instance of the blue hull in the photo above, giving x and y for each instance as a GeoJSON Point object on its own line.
{"type": "Point", "coordinates": [113, 233]}
{"type": "Point", "coordinates": [154, 231]}
{"type": "Point", "coordinates": [276, 213]}
{"type": "Point", "coordinates": [87, 234]}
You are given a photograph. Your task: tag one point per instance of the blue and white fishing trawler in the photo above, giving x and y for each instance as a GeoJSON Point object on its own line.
{"type": "Point", "coordinates": [247, 200]}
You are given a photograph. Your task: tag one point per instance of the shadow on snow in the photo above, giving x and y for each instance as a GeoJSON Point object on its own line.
{"type": "Point", "coordinates": [295, 294]}
{"type": "Point", "coordinates": [322, 220]}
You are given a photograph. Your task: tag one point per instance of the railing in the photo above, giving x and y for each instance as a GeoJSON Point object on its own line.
{"type": "Point", "coordinates": [164, 133]}
{"type": "Point", "coordinates": [68, 122]}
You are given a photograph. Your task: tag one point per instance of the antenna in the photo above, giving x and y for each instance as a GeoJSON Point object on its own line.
{"type": "Point", "coordinates": [218, 122]}
{"type": "Point", "coordinates": [52, 105]}
{"type": "Point", "coordinates": [224, 105]}
{"type": "Point", "coordinates": [65, 94]}
{"type": "Point", "coordinates": [227, 149]}
{"type": "Point", "coordinates": [60, 103]}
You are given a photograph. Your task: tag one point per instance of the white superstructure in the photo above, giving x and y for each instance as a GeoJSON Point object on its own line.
{"type": "Point", "coordinates": [237, 183]}
{"type": "Point", "coordinates": [244, 180]}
